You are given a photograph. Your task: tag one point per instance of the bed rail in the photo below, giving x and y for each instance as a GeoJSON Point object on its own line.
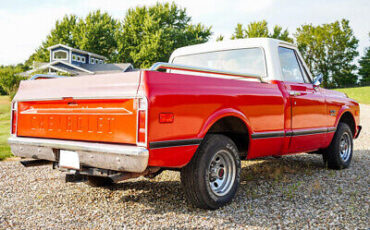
{"type": "Point", "coordinates": [37, 76]}
{"type": "Point", "coordinates": [164, 65]}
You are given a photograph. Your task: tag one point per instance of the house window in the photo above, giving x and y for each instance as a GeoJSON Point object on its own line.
{"type": "Point", "coordinates": [78, 58]}
{"type": "Point", "coordinates": [100, 61]}
{"type": "Point", "coordinates": [60, 55]}
{"type": "Point", "coordinates": [92, 60]}
{"type": "Point", "coordinates": [74, 57]}
{"type": "Point", "coordinates": [83, 59]}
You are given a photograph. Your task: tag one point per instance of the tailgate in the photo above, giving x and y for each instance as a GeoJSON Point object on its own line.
{"type": "Point", "coordinates": [92, 108]}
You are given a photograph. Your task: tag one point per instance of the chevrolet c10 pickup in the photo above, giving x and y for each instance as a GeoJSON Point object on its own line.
{"type": "Point", "coordinates": [210, 107]}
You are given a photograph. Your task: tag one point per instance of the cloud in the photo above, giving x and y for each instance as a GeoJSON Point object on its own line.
{"type": "Point", "coordinates": [23, 32]}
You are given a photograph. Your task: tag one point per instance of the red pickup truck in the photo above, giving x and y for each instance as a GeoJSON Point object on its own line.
{"type": "Point", "coordinates": [217, 103]}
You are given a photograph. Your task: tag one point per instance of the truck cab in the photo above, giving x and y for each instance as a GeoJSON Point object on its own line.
{"type": "Point", "coordinates": [217, 104]}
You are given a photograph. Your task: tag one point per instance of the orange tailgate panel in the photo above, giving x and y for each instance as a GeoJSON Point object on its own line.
{"type": "Point", "coordinates": [87, 120]}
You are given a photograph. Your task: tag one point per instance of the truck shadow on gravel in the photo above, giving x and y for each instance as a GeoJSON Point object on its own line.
{"type": "Point", "coordinates": [164, 194]}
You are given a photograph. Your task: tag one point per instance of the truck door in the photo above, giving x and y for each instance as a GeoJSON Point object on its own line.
{"type": "Point", "coordinates": [308, 123]}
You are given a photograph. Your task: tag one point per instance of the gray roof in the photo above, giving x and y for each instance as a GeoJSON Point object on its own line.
{"type": "Point", "coordinates": [69, 70]}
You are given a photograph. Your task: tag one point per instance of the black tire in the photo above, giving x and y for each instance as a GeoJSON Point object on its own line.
{"type": "Point", "coordinates": [333, 156]}
{"type": "Point", "coordinates": [200, 173]}
{"type": "Point", "coordinates": [96, 181]}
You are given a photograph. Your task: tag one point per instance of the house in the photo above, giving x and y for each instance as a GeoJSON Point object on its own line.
{"type": "Point", "coordinates": [73, 61]}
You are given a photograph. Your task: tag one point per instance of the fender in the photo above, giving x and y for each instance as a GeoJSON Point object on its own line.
{"type": "Point", "coordinates": [343, 110]}
{"type": "Point", "coordinates": [225, 112]}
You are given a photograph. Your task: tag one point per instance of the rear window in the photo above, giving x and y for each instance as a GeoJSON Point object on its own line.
{"type": "Point", "coordinates": [250, 60]}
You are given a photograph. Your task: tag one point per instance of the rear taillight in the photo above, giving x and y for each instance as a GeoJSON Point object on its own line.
{"type": "Point", "coordinates": [142, 121]}
{"type": "Point", "coordinates": [13, 124]}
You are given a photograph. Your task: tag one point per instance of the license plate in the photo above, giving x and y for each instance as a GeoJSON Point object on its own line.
{"type": "Point", "coordinates": [69, 159]}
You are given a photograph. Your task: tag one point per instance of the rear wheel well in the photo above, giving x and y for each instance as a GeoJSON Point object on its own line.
{"type": "Point", "coordinates": [236, 130]}
{"type": "Point", "coordinates": [349, 120]}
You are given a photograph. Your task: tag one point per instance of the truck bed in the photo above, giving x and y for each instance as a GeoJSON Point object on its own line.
{"type": "Point", "coordinates": [92, 108]}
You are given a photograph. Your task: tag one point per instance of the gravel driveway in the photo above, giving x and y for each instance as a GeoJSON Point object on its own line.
{"type": "Point", "coordinates": [290, 192]}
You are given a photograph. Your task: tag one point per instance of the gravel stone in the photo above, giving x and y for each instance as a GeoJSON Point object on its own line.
{"type": "Point", "coordinates": [294, 192]}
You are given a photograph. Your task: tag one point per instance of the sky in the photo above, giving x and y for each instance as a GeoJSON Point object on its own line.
{"type": "Point", "coordinates": [24, 24]}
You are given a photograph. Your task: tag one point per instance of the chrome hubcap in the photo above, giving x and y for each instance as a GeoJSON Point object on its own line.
{"type": "Point", "coordinates": [221, 173]}
{"type": "Point", "coordinates": [345, 147]}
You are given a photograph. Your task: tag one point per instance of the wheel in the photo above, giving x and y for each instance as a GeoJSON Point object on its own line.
{"type": "Point", "coordinates": [96, 181]}
{"type": "Point", "coordinates": [212, 177]}
{"type": "Point", "coordinates": [339, 154]}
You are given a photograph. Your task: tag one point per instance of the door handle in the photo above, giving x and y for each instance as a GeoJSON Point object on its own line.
{"type": "Point", "coordinates": [294, 93]}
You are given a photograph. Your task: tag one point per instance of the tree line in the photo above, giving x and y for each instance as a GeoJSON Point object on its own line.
{"type": "Point", "coordinates": [150, 34]}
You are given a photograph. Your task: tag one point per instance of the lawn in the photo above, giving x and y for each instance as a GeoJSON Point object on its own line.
{"type": "Point", "coordinates": [360, 94]}
{"type": "Point", "coordinates": [4, 127]}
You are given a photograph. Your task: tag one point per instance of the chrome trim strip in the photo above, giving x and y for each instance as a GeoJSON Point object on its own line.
{"type": "Point", "coordinates": [174, 143]}
{"type": "Point", "coordinates": [164, 65]}
{"type": "Point", "coordinates": [332, 129]}
{"type": "Point", "coordinates": [146, 121]}
{"type": "Point", "coordinates": [79, 98]}
{"type": "Point", "coordinates": [268, 134]}
{"type": "Point", "coordinates": [309, 131]}
{"type": "Point", "coordinates": [293, 133]}
{"type": "Point", "coordinates": [14, 107]}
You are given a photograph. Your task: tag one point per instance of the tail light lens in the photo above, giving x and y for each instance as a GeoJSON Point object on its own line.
{"type": "Point", "coordinates": [142, 121]}
{"type": "Point", "coordinates": [13, 118]}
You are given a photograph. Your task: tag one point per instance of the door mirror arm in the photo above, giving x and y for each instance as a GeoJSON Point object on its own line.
{"type": "Point", "coordinates": [317, 80]}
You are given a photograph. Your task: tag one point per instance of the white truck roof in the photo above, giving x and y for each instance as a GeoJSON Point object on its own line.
{"type": "Point", "coordinates": [268, 45]}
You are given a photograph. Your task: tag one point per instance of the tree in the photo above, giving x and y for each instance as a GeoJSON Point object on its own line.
{"type": "Point", "coordinates": [260, 29]}
{"type": "Point", "coordinates": [95, 33]}
{"type": "Point", "coordinates": [150, 34]}
{"type": "Point", "coordinates": [9, 78]}
{"type": "Point", "coordinates": [220, 38]}
{"type": "Point", "coordinates": [329, 49]}
{"type": "Point", "coordinates": [62, 33]}
{"type": "Point", "coordinates": [364, 70]}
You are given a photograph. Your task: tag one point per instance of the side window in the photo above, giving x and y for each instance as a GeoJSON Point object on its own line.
{"type": "Point", "coordinates": [289, 65]}
{"type": "Point", "coordinates": [305, 74]}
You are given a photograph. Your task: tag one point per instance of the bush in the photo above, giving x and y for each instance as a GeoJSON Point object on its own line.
{"type": "Point", "coordinates": [10, 79]}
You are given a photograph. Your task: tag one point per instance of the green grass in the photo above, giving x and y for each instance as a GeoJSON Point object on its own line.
{"type": "Point", "coordinates": [4, 127]}
{"type": "Point", "coordinates": [360, 94]}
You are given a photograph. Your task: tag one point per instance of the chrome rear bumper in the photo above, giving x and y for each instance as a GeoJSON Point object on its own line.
{"type": "Point", "coordinates": [117, 157]}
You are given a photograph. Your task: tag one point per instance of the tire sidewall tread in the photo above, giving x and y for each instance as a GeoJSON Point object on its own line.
{"type": "Point", "coordinates": [331, 155]}
{"type": "Point", "coordinates": [194, 175]}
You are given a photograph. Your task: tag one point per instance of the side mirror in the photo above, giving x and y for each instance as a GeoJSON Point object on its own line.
{"type": "Point", "coordinates": [318, 79]}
